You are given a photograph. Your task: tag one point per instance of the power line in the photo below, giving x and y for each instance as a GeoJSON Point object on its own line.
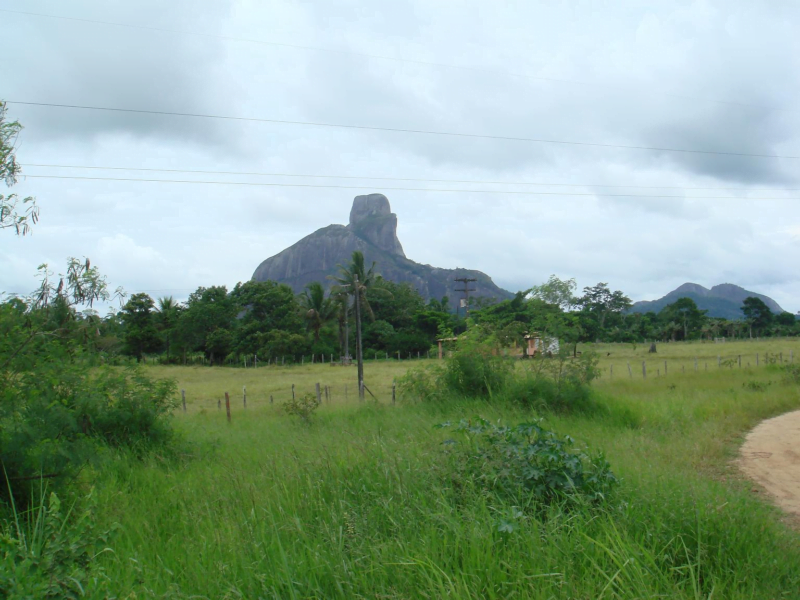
{"type": "Point", "coordinates": [361, 177]}
{"type": "Point", "coordinates": [395, 130]}
{"type": "Point", "coordinates": [383, 57]}
{"type": "Point", "coordinates": [406, 189]}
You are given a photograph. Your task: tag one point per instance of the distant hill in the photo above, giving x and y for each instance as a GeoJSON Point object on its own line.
{"type": "Point", "coordinates": [372, 230]}
{"type": "Point", "coordinates": [722, 301]}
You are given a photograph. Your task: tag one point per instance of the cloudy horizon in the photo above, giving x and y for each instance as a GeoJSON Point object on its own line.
{"type": "Point", "coordinates": [709, 76]}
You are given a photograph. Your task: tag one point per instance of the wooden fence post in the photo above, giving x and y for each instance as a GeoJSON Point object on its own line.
{"type": "Point", "coordinates": [644, 370]}
{"type": "Point", "coordinates": [270, 398]}
{"type": "Point", "coordinates": [740, 361]}
{"type": "Point", "coordinates": [319, 395]}
{"type": "Point", "coordinates": [393, 391]}
{"type": "Point", "coordinates": [292, 391]}
{"type": "Point", "coordinates": [629, 371]}
{"type": "Point", "coordinates": [327, 395]}
{"type": "Point", "coordinates": [228, 406]}
{"type": "Point", "coordinates": [219, 403]}
{"type": "Point", "coordinates": [255, 361]}
{"type": "Point", "coordinates": [756, 358]}
{"type": "Point", "coordinates": [244, 395]}
{"type": "Point", "coordinates": [611, 372]}
{"type": "Point", "coordinates": [398, 355]}
{"type": "Point", "coordinates": [282, 360]}
{"type": "Point", "coordinates": [781, 357]}
{"type": "Point", "coordinates": [665, 368]}
{"type": "Point", "coordinates": [183, 397]}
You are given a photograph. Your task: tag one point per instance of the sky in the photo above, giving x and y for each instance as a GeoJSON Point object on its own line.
{"type": "Point", "coordinates": [717, 78]}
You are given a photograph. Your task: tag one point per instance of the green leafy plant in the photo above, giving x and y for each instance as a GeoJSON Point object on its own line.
{"type": "Point", "coordinates": [529, 465]}
{"type": "Point", "coordinates": [48, 553]}
{"type": "Point", "coordinates": [303, 407]}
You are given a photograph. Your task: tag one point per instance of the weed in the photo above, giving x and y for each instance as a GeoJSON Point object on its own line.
{"type": "Point", "coordinates": [304, 407]}
{"type": "Point", "coordinates": [531, 466]}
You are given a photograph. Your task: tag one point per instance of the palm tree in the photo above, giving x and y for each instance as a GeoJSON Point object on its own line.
{"type": "Point", "coordinates": [318, 310]}
{"type": "Point", "coordinates": [354, 280]}
{"type": "Point", "coordinates": [167, 317]}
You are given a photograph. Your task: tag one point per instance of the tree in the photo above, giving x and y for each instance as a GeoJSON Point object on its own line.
{"type": "Point", "coordinates": [14, 212]}
{"type": "Point", "coordinates": [786, 319]}
{"type": "Point", "coordinates": [262, 307]}
{"type": "Point", "coordinates": [355, 279]}
{"type": "Point", "coordinates": [317, 309]}
{"type": "Point", "coordinates": [602, 302]}
{"type": "Point", "coordinates": [166, 319]}
{"type": "Point", "coordinates": [560, 292]}
{"type": "Point", "coordinates": [207, 309]}
{"type": "Point", "coordinates": [140, 331]}
{"type": "Point", "coordinates": [757, 314]}
{"type": "Point", "coordinates": [685, 312]}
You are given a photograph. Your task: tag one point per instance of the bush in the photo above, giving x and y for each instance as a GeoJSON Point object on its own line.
{"type": "Point", "coordinates": [304, 407]}
{"type": "Point", "coordinates": [55, 418]}
{"type": "Point", "coordinates": [558, 383]}
{"type": "Point", "coordinates": [476, 372]}
{"type": "Point", "coordinates": [49, 554]}
{"type": "Point", "coordinates": [529, 466]}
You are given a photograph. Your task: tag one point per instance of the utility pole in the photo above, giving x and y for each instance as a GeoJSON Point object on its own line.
{"type": "Point", "coordinates": [466, 290]}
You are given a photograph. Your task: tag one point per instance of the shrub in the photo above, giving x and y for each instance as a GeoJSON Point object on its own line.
{"type": "Point", "coordinates": [48, 554]}
{"type": "Point", "coordinates": [475, 371]}
{"type": "Point", "coordinates": [304, 407]}
{"type": "Point", "coordinates": [528, 465]}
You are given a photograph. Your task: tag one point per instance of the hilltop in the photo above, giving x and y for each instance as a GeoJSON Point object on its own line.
{"type": "Point", "coordinates": [722, 301]}
{"type": "Point", "coordinates": [372, 229]}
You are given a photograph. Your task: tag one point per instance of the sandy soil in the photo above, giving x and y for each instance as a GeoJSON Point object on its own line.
{"type": "Point", "coordinates": [771, 457]}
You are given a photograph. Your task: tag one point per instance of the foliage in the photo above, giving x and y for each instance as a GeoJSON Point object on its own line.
{"type": "Point", "coordinates": [303, 407]}
{"type": "Point", "coordinates": [50, 554]}
{"type": "Point", "coordinates": [140, 330]}
{"type": "Point", "coordinates": [318, 309]}
{"type": "Point", "coordinates": [560, 292]}
{"type": "Point", "coordinates": [757, 313]}
{"type": "Point", "coordinates": [56, 406]}
{"type": "Point", "coordinates": [475, 370]}
{"type": "Point", "coordinates": [14, 212]}
{"type": "Point", "coordinates": [529, 465]}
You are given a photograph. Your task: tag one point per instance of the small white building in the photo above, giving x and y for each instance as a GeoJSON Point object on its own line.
{"type": "Point", "coordinates": [537, 343]}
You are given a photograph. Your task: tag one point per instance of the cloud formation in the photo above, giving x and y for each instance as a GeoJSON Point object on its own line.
{"type": "Point", "coordinates": [704, 74]}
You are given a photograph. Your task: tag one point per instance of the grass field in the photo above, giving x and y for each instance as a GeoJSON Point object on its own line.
{"type": "Point", "coordinates": [358, 504]}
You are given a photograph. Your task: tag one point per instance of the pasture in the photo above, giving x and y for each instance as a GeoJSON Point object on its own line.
{"type": "Point", "coordinates": [362, 503]}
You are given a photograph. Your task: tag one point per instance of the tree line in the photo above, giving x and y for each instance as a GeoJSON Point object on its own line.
{"type": "Point", "coordinates": [268, 320]}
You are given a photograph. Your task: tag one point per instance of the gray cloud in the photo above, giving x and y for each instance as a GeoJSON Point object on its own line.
{"type": "Point", "coordinates": [653, 76]}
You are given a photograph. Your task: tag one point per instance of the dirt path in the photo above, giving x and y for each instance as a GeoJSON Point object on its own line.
{"type": "Point", "coordinates": [770, 456]}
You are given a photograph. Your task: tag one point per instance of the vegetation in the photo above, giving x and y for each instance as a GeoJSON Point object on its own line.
{"type": "Point", "coordinates": [15, 213]}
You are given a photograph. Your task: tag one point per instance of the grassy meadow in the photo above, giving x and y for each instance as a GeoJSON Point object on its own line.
{"type": "Point", "coordinates": [361, 503]}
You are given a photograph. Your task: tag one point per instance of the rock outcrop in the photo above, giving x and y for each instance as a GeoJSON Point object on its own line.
{"type": "Point", "coordinates": [373, 230]}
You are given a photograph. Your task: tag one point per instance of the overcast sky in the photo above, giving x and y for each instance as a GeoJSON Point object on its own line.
{"type": "Point", "coordinates": [706, 75]}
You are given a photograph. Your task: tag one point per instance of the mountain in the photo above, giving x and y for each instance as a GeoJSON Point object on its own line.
{"type": "Point", "coordinates": [721, 301]}
{"type": "Point", "coordinates": [373, 230]}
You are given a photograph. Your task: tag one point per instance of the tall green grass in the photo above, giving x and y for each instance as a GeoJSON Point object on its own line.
{"type": "Point", "coordinates": [359, 504]}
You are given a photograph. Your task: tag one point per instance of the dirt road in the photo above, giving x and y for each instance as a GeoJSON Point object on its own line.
{"type": "Point", "coordinates": [771, 457]}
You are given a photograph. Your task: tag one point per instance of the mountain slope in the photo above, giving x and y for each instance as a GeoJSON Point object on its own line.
{"type": "Point", "coordinates": [721, 301]}
{"type": "Point", "coordinates": [373, 230]}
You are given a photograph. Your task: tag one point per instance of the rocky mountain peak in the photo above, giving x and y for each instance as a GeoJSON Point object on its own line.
{"type": "Point", "coordinates": [373, 231]}
{"type": "Point", "coordinates": [372, 219]}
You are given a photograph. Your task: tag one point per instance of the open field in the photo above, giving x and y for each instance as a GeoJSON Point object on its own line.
{"type": "Point", "coordinates": [359, 504]}
{"type": "Point", "coordinates": [206, 385]}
